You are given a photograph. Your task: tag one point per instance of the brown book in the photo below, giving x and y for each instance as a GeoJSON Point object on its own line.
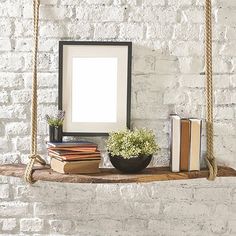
{"type": "Point", "coordinates": [74, 149]}
{"type": "Point", "coordinates": [74, 157]}
{"type": "Point", "coordinates": [64, 152]}
{"type": "Point", "coordinates": [184, 144]}
{"type": "Point", "coordinates": [75, 167]}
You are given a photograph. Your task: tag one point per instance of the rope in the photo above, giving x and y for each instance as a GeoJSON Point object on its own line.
{"type": "Point", "coordinates": [34, 157]}
{"type": "Point", "coordinates": [210, 159]}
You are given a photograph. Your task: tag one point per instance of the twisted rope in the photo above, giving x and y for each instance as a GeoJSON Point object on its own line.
{"type": "Point", "coordinates": [34, 156]}
{"type": "Point", "coordinates": [210, 159]}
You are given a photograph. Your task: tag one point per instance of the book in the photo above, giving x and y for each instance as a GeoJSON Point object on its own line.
{"type": "Point", "coordinates": [72, 144]}
{"type": "Point", "coordinates": [175, 143]}
{"type": "Point", "coordinates": [68, 152]}
{"type": "Point", "coordinates": [184, 144]}
{"type": "Point", "coordinates": [75, 167]}
{"type": "Point", "coordinates": [195, 144]}
{"type": "Point", "coordinates": [74, 157]}
{"type": "Point", "coordinates": [74, 149]}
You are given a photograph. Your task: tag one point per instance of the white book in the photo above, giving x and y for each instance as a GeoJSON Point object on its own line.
{"type": "Point", "coordinates": [195, 144]}
{"type": "Point", "coordinates": [175, 143]}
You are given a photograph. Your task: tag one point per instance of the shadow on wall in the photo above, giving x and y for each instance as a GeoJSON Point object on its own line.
{"type": "Point", "coordinates": [158, 90]}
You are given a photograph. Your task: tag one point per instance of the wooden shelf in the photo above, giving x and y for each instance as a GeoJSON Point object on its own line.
{"type": "Point", "coordinates": [111, 175]}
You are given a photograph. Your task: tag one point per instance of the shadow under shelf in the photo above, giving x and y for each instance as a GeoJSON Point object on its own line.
{"type": "Point", "coordinates": [107, 175]}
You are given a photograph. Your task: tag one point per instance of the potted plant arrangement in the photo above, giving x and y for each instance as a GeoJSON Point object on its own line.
{"type": "Point", "coordinates": [131, 151]}
{"type": "Point", "coordinates": [55, 123]}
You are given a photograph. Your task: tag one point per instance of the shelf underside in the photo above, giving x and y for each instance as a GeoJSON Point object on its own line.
{"type": "Point", "coordinates": [111, 175]}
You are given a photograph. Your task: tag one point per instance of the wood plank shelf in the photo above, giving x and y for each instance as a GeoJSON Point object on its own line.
{"type": "Point", "coordinates": [111, 175]}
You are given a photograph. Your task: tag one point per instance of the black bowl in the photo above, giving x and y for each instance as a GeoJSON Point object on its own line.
{"type": "Point", "coordinates": [132, 165]}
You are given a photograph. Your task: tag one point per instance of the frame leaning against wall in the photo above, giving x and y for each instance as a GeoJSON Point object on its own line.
{"type": "Point", "coordinates": [72, 50]}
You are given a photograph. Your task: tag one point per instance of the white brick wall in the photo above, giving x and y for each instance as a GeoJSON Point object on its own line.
{"type": "Point", "coordinates": [167, 62]}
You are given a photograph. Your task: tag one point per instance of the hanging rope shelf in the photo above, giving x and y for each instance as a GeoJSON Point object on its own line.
{"type": "Point", "coordinates": [44, 173]}
{"type": "Point", "coordinates": [31, 173]}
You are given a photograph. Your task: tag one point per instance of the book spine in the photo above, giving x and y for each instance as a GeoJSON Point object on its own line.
{"type": "Point", "coordinates": [175, 143]}
{"type": "Point", "coordinates": [185, 144]}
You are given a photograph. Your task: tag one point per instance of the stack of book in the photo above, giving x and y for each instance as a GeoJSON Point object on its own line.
{"type": "Point", "coordinates": [74, 157]}
{"type": "Point", "coordinates": [185, 143]}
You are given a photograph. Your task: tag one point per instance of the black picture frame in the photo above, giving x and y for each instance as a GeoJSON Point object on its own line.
{"type": "Point", "coordinates": [62, 44]}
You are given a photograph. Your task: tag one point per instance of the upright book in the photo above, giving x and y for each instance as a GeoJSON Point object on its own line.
{"type": "Point", "coordinates": [185, 144]}
{"type": "Point", "coordinates": [195, 144]}
{"type": "Point", "coordinates": [175, 143]}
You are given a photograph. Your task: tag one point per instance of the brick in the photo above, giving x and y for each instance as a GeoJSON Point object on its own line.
{"type": "Point", "coordinates": [192, 81]}
{"type": "Point", "coordinates": [223, 128]}
{"type": "Point", "coordinates": [231, 33]}
{"type": "Point", "coordinates": [45, 80]}
{"type": "Point", "coordinates": [212, 195]}
{"type": "Point", "coordinates": [10, 9]}
{"type": "Point", "coordinates": [223, 97]}
{"type": "Point", "coordinates": [37, 194]}
{"type": "Point", "coordinates": [228, 49]}
{"type": "Point", "coordinates": [3, 144]}
{"type": "Point", "coordinates": [5, 44]}
{"type": "Point", "coordinates": [224, 113]}
{"type": "Point", "coordinates": [174, 97]}
{"type": "Point", "coordinates": [226, 16]}
{"type": "Point", "coordinates": [53, 210]}
{"type": "Point", "coordinates": [98, 2]}
{"type": "Point", "coordinates": [9, 158]}
{"type": "Point", "coordinates": [221, 81]}
{"type": "Point", "coordinates": [166, 66]}
{"type": "Point", "coordinates": [24, 44]}
{"type": "Point", "coordinates": [61, 226]}
{"type": "Point", "coordinates": [23, 27]}
{"type": "Point", "coordinates": [98, 227]}
{"type": "Point", "coordinates": [144, 65]}
{"type": "Point", "coordinates": [103, 14]}
{"type": "Point", "coordinates": [135, 225]}
{"type": "Point", "coordinates": [232, 226]}
{"type": "Point", "coordinates": [4, 191]}
{"type": "Point", "coordinates": [5, 27]}
{"type": "Point", "coordinates": [4, 97]}
{"type": "Point", "coordinates": [133, 191]}
{"type": "Point", "coordinates": [158, 31]}
{"type": "Point", "coordinates": [104, 31]}
{"type": "Point", "coordinates": [147, 14]}
{"type": "Point", "coordinates": [10, 80]}
{"type": "Point", "coordinates": [186, 31]}
{"type": "Point", "coordinates": [150, 112]}
{"type": "Point", "coordinates": [193, 15]}
{"type": "Point", "coordinates": [17, 112]}
{"type": "Point", "coordinates": [79, 30]}
{"type": "Point", "coordinates": [11, 209]}
{"type": "Point", "coordinates": [54, 29]}
{"type": "Point", "coordinates": [191, 65]}
{"type": "Point", "coordinates": [186, 48]}
{"type": "Point", "coordinates": [49, 12]}
{"type": "Point", "coordinates": [108, 193]}
{"type": "Point", "coordinates": [17, 128]}
{"type": "Point", "coordinates": [31, 225]}
{"type": "Point", "coordinates": [131, 31]}
{"type": "Point", "coordinates": [21, 96]}
{"type": "Point", "coordinates": [11, 62]}
{"type": "Point", "coordinates": [174, 193]}
{"type": "Point", "coordinates": [189, 210]}
{"type": "Point", "coordinates": [47, 95]}
{"type": "Point", "coordinates": [8, 224]}
{"type": "Point", "coordinates": [179, 3]}
{"type": "Point", "coordinates": [153, 2]}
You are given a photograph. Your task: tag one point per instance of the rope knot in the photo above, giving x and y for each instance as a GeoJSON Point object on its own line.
{"type": "Point", "coordinates": [37, 158]}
